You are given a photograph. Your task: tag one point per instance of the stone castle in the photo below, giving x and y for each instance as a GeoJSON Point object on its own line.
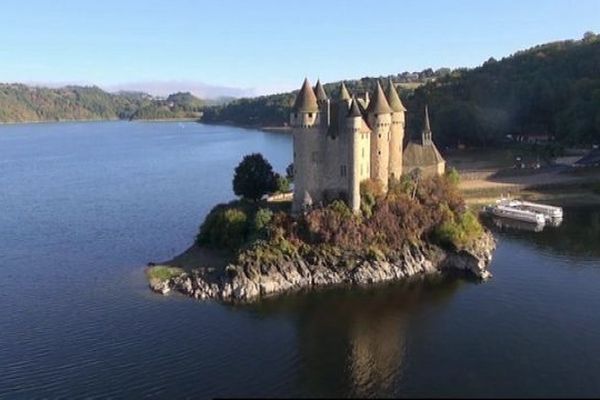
{"type": "Point", "coordinates": [338, 143]}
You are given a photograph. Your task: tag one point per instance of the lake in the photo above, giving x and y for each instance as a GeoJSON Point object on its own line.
{"type": "Point", "coordinates": [84, 206]}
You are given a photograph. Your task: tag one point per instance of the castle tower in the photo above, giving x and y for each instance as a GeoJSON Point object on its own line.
{"type": "Point", "coordinates": [304, 120]}
{"type": "Point", "coordinates": [380, 119]}
{"type": "Point", "coordinates": [358, 146]}
{"type": "Point", "coordinates": [324, 105]}
{"type": "Point", "coordinates": [396, 131]}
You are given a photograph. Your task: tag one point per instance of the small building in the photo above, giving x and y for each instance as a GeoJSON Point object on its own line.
{"type": "Point", "coordinates": [423, 155]}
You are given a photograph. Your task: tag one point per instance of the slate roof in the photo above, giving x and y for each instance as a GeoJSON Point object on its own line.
{"type": "Point", "coordinates": [306, 101]}
{"type": "Point", "coordinates": [378, 103]}
{"type": "Point", "coordinates": [393, 98]}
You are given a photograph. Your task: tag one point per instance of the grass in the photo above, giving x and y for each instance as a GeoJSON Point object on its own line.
{"type": "Point", "coordinates": [162, 273]}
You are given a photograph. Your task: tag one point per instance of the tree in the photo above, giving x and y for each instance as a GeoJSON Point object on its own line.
{"type": "Point", "coordinates": [289, 172]}
{"type": "Point", "coordinates": [254, 177]}
{"type": "Point", "coordinates": [283, 183]}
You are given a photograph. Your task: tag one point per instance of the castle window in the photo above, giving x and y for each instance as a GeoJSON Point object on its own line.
{"type": "Point", "coordinates": [379, 152]}
{"type": "Point", "coordinates": [309, 115]}
{"type": "Point", "coordinates": [379, 136]}
{"type": "Point", "coordinates": [295, 115]}
{"type": "Point", "coordinates": [343, 170]}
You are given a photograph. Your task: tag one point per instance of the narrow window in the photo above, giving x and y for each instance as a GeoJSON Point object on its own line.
{"type": "Point", "coordinates": [309, 115]}
{"type": "Point", "coordinates": [363, 152]}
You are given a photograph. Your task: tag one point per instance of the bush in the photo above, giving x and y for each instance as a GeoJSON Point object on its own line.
{"type": "Point", "coordinates": [260, 223]}
{"type": "Point", "coordinates": [370, 191]}
{"type": "Point", "coordinates": [283, 184]}
{"type": "Point", "coordinates": [459, 232]}
{"type": "Point", "coordinates": [453, 176]}
{"type": "Point", "coordinates": [225, 227]}
{"type": "Point", "coordinates": [254, 178]}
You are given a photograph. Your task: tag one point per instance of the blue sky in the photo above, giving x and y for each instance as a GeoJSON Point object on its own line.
{"type": "Point", "coordinates": [267, 46]}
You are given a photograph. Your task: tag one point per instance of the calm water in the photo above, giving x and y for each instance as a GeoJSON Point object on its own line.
{"type": "Point", "coordinates": [83, 206]}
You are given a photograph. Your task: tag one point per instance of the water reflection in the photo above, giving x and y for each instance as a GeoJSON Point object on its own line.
{"type": "Point", "coordinates": [354, 341]}
{"type": "Point", "coordinates": [505, 223]}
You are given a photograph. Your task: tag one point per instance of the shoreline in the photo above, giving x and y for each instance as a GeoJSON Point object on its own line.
{"type": "Point", "coordinates": [252, 281]}
{"type": "Point", "coordinates": [71, 121]}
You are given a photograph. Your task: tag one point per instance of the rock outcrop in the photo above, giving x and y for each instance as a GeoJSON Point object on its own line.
{"type": "Point", "coordinates": [251, 281]}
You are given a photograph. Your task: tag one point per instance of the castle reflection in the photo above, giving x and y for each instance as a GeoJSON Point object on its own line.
{"type": "Point", "coordinates": [357, 338]}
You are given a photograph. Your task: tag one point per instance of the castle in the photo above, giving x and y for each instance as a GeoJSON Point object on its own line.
{"type": "Point", "coordinates": [338, 143]}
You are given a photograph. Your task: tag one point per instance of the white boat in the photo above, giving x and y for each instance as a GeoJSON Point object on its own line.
{"type": "Point", "coordinates": [548, 211]}
{"type": "Point", "coordinates": [507, 211]}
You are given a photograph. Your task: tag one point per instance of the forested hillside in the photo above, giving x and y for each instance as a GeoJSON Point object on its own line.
{"type": "Point", "coordinates": [551, 89]}
{"type": "Point", "coordinates": [273, 110]}
{"type": "Point", "coordinates": [21, 103]}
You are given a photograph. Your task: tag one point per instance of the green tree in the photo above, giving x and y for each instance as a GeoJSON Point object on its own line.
{"type": "Point", "coordinates": [283, 183]}
{"type": "Point", "coordinates": [254, 178]}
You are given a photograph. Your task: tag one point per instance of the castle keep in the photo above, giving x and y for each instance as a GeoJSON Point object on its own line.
{"type": "Point", "coordinates": [338, 143]}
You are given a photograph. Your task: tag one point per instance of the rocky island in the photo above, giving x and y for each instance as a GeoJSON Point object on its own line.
{"type": "Point", "coordinates": [364, 210]}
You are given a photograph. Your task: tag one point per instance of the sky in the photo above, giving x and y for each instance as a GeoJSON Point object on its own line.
{"type": "Point", "coordinates": [239, 48]}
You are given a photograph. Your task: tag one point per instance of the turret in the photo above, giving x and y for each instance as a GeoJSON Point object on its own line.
{"type": "Point", "coordinates": [324, 105]}
{"type": "Point", "coordinates": [344, 96]}
{"type": "Point", "coordinates": [304, 120]}
{"type": "Point", "coordinates": [396, 131]}
{"type": "Point", "coordinates": [358, 161]}
{"type": "Point", "coordinates": [304, 112]}
{"type": "Point", "coordinates": [380, 118]}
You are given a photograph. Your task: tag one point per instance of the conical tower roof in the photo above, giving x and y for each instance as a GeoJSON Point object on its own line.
{"type": "Point", "coordinates": [306, 101]}
{"type": "Point", "coordinates": [344, 94]}
{"type": "Point", "coordinates": [393, 98]}
{"type": "Point", "coordinates": [378, 103]}
{"type": "Point", "coordinates": [354, 110]}
{"type": "Point", "coordinates": [426, 126]}
{"type": "Point", "coordinates": [320, 91]}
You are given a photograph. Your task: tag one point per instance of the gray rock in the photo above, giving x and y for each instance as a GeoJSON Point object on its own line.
{"type": "Point", "coordinates": [250, 281]}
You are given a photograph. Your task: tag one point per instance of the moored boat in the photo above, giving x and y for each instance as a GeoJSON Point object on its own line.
{"type": "Point", "coordinates": [507, 211]}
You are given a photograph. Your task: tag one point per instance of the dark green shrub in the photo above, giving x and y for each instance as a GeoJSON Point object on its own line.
{"type": "Point", "coordinates": [225, 227]}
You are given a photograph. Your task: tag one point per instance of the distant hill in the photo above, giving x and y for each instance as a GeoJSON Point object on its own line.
{"type": "Point", "coordinates": [551, 89]}
{"type": "Point", "coordinates": [21, 103]}
{"type": "Point", "coordinates": [177, 105]}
